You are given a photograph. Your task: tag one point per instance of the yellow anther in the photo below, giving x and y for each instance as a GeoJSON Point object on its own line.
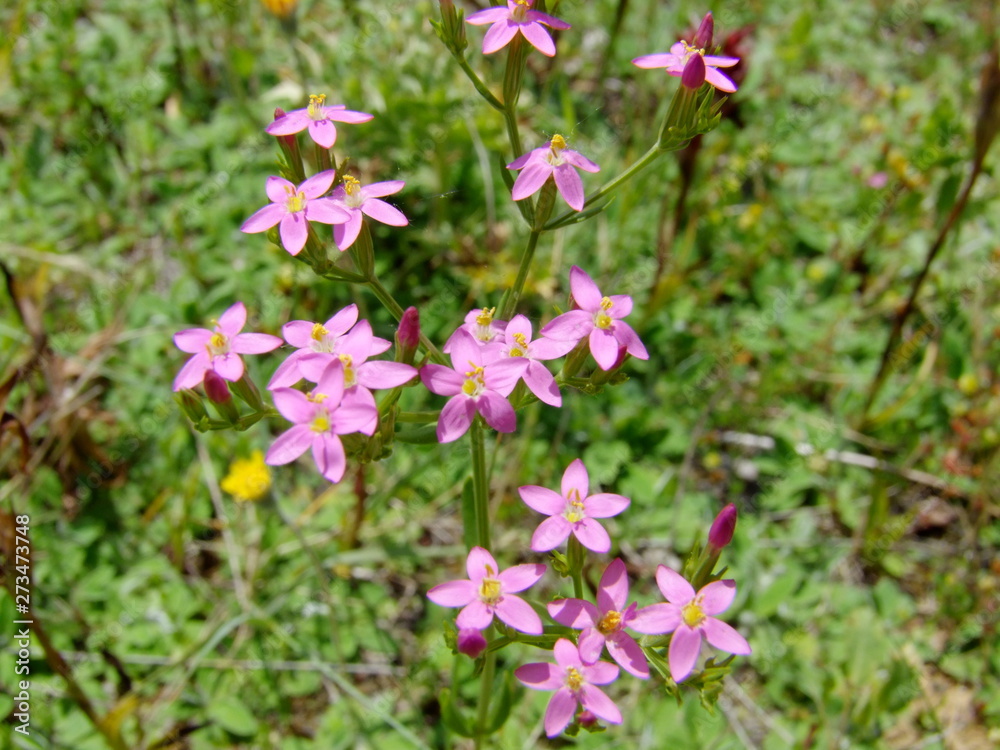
{"type": "Point", "coordinates": [521, 340]}
{"type": "Point", "coordinates": [316, 398]}
{"type": "Point", "coordinates": [316, 102]}
{"type": "Point", "coordinates": [489, 590]}
{"type": "Point", "coordinates": [574, 680]}
{"type": "Point", "coordinates": [218, 341]}
{"type": "Point", "coordinates": [692, 614]}
{"type": "Point", "coordinates": [350, 379]}
{"type": "Point", "coordinates": [476, 372]}
{"type": "Point", "coordinates": [347, 360]}
{"type": "Point", "coordinates": [606, 303]}
{"type": "Point", "coordinates": [296, 202]}
{"type": "Point", "coordinates": [320, 423]}
{"type": "Point", "coordinates": [318, 332]}
{"type": "Point", "coordinates": [558, 143]}
{"type": "Point", "coordinates": [352, 185]}
{"type": "Point", "coordinates": [610, 622]}
{"type": "Point", "coordinates": [469, 387]}
{"type": "Point", "coordinates": [485, 316]}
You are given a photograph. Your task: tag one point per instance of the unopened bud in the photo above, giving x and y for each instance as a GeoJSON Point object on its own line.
{"type": "Point", "coordinates": [191, 404]}
{"type": "Point", "coordinates": [216, 388]}
{"type": "Point", "coordinates": [471, 642]}
{"type": "Point", "coordinates": [694, 72]}
{"type": "Point", "coordinates": [703, 37]}
{"type": "Point", "coordinates": [587, 719]}
{"type": "Point", "coordinates": [721, 533]}
{"type": "Point", "coordinates": [408, 336]}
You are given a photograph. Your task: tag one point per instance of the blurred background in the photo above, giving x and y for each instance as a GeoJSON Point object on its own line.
{"type": "Point", "coordinates": [768, 263]}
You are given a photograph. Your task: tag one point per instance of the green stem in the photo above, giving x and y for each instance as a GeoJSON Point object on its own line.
{"type": "Point", "coordinates": [390, 304]}
{"type": "Point", "coordinates": [510, 303]}
{"type": "Point", "coordinates": [480, 86]}
{"type": "Point", "coordinates": [480, 484]}
{"type": "Point", "coordinates": [576, 557]}
{"type": "Point", "coordinates": [485, 693]}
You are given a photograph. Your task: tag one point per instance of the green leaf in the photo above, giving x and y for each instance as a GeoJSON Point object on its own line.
{"type": "Point", "coordinates": [451, 716]}
{"type": "Point", "coordinates": [231, 714]}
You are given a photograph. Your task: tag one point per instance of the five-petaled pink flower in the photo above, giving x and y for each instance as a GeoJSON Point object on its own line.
{"type": "Point", "coordinates": [482, 326]}
{"type": "Point", "coordinates": [517, 16]}
{"type": "Point", "coordinates": [317, 338]}
{"type": "Point", "coordinates": [604, 625]}
{"type": "Point", "coordinates": [489, 591]}
{"type": "Point", "coordinates": [574, 681]}
{"type": "Point", "coordinates": [556, 161]}
{"type": "Point", "coordinates": [476, 384]}
{"type": "Point", "coordinates": [357, 200]}
{"type": "Point", "coordinates": [294, 207]}
{"type": "Point", "coordinates": [319, 418]}
{"type": "Point", "coordinates": [681, 53]}
{"type": "Point", "coordinates": [529, 354]}
{"type": "Point", "coordinates": [319, 118]}
{"type": "Point", "coordinates": [689, 616]}
{"type": "Point", "coordinates": [572, 512]}
{"type": "Point", "coordinates": [220, 349]}
{"type": "Point", "coordinates": [598, 318]}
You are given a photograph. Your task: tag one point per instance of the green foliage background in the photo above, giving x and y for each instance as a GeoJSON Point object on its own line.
{"type": "Point", "coordinates": [132, 150]}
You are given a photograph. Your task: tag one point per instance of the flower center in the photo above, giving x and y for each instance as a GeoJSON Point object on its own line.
{"type": "Point", "coordinates": [521, 346]}
{"type": "Point", "coordinates": [352, 190]}
{"type": "Point", "coordinates": [218, 345]}
{"type": "Point", "coordinates": [474, 383]}
{"type": "Point", "coordinates": [484, 321]}
{"type": "Point", "coordinates": [520, 12]}
{"type": "Point", "coordinates": [574, 680]}
{"type": "Point", "coordinates": [691, 614]}
{"type": "Point", "coordinates": [690, 49]}
{"type": "Point", "coordinates": [350, 378]}
{"type": "Point", "coordinates": [575, 511]}
{"type": "Point", "coordinates": [296, 201]}
{"type": "Point", "coordinates": [601, 319]}
{"type": "Point", "coordinates": [318, 332]}
{"type": "Point", "coordinates": [489, 589]}
{"type": "Point", "coordinates": [556, 147]}
{"type": "Point", "coordinates": [610, 622]}
{"type": "Point", "coordinates": [321, 421]}
{"type": "Point", "coordinates": [316, 102]}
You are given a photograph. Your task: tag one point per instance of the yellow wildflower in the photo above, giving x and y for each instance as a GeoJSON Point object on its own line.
{"type": "Point", "coordinates": [248, 478]}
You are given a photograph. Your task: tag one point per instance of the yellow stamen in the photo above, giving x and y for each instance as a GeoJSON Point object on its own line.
{"type": "Point", "coordinates": [602, 320]}
{"type": "Point", "coordinates": [574, 680]}
{"type": "Point", "coordinates": [320, 423]}
{"type": "Point", "coordinates": [610, 622]}
{"type": "Point", "coordinates": [489, 590]}
{"type": "Point", "coordinates": [318, 332]}
{"type": "Point", "coordinates": [296, 201]}
{"type": "Point", "coordinates": [316, 398]}
{"type": "Point", "coordinates": [558, 143]}
{"type": "Point", "coordinates": [692, 614]}
{"type": "Point", "coordinates": [606, 303]}
{"type": "Point", "coordinates": [521, 340]}
{"type": "Point", "coordinates": [352, 185]}
{"type": "Point", "coordinates": [316, 102]}
{"type": "Point", "coordinates": [349, 377]}
{"type": "Point", "coordinates": [485, 316]}
{"type": "Point", "coordinates": [218, 341]}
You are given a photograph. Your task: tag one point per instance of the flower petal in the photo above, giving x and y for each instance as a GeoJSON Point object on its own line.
{"type": "Point", "coordinates": [264, 218]}
{"type": "Point", "coordinates": [604, 348]}
{"type": "Point", "coordinates": [575, 478]}
{"type": "Point", "coordinates": [530, 180]}
{"type": "Point", "coordinates": [539, 676]}
{"type": "Point", "coordinates": [193, 371]}
{"type": "Point", "coordinates": [593, 536]}
{"type": "Point", "coordinates": [476, 615]}
{"type": "Point", "coordinates": [605, 505]}
{"type": "Point", "coordinates": [555, 23]}
{"type": "Point", "coordinates": [570, 186]}
{"type": "Point", "coordinates": [684, 648]}
{"type": "Point", "coordinates": [574, 613]}
{"type": "Point", "coordinates": [278, 189]}
{"type": "Point", "coordinates": [441, 380]}
{"type": "Point", "coordinates": [628, 338]}
{"type": "Point", "coordinates": [659, 60]}
{"type": "Point", "coordinates": [289, 445]}
{"type": "Point", "coordinates": [490, 15]}
{"type": "Point", "coordinates": [342, 321]}
{"type": "Point", "coordinates": [612, 592]}
{"type": "Point", "coordinates": [351, 116]}
{"type": "Point", "coordinates": [293, 405]}
{"type": "Point", "coordinates": [497, 412]}
{"type": "Point", "coordinates": [591, 644]}
{"type": "Point", "coordinates": [567, 655]}
{"type": "Point", "coordinates": [570, 326]}
{"type": "Point", "coordinates": [560, 712]}
{"type": "Point", "coordinates": [323, 132]}
{"type": "Point", "coordinates": [579, 160]}
{"type": "Point", "coordinates": [517, 613]}
{"type": "Point", "coordinates": [328, 453]}
{"type": "Point", "coordinates": [498, 36]}
{"type": "Point", "coordinates": [294, 230]}
{"type": "Point", "coordinates": [382, 189]}
{"type": "Point", "coordinates": [345, 234]}
{"type": "Point", "coordinates": [228, 366]}
{"type": "Point", "coordinates": [719, 80]}
{"type": "Point", "coordinates": [326, 211]}
{"type": "Point", "coordinates": [455, 418]}
{"type": "Point", "coordinates": [585, 291]}
{"type": "Point", "coordinates": [595, 701]}
{"type": "Point", "coordinates": [294, 122]}
{"type": "Point", "coordinates": [656, 619]}
{"type": "Point", "coordinates": [539, 38]}
{"type": "Point", "coordinates": [233, 319]}
{"type": "Point", "coordinates": [318, 184]}
{"type": "Point", "coordinates": [626, 652]}
{"type": "Point", "coordinates": [600, 673]}
{"type": "Point", "coordinates": [717, 596]}
{"type": "Point", "coordinates": [502, 376]}
{"type": "Point", "coordinates": [724, 637]}
{"type": "Point", "coordinates": [673, 586]}
{"type": "Point", "coordinates": [542, 499]}
{"type": "Point", "coordinates": [193, 340]}
{"type": "Point", "coordinates": [550, 533]}
{"type": "Point", "coordinates": [542, 383]}
{"type": "Point", "coordinates": [385, 374]}
{"type": "Point", "coordinates": [520, 577]}
{"type": "Point", "coordinates": [254, 343]}
{"type": "Point", "coordinates": [453, 593]}
{"type": "Point", "coordinates": [381, 211]}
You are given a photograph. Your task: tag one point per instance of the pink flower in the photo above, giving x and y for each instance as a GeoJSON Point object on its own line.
{"type": "Point", "coordinates": [489, 591]}
{"type": "Point", "coordinates": [357, 200]}
{"type": "Point", "coordinates": [529, 355]}
{"type": "Point", "coordinates": [572, 512]}
{"type": "Point", "coordinates": [309, 338]}
{"type": "Point", "coordinates": [689, 616]}
{"type": "Point", "coordinates": [604, 625]}
{"type": "Point", "coordinates": [517, 17]}
{"type": "Point", "coordinates": [319, 119]}
{"type": "Point", "coordinates": [319, 418]}
{"type": "Point", "coordinates": [680, 53]}
{"type": "Point", "coordinates": [475, 384]}
{"type": "Point", "coordinates": [294, 207]}
{"type": "Point", "coordinates": [556, 161]}
{"type": "Point", "coordinates": [574, 682]}
{"type": "Point", "coordinates": [723, 527]}
{"type": "Point", "coordinates": [598, 318]}
{"type": "Point", "coordinates": [220, 348]}
{"type": "Point", "coordinates": [484, 329]}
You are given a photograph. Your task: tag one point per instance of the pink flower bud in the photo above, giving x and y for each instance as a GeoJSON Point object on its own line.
{"type": "Point", "coordinates": [703, 37]}
{"type": "Point", "coordinates": [216, 388]}
{"type": "Point", "coordinates": [693, 75]}
{"type": "Point", "coordinates": [288, 140]}
{"type": "Point", "coordinates": [470, 641]}
{"type": "Point", "coordinates": [408, 335]}
{"type": "Point", "coordinates": [587, 719]}
{"type": "Point", "coordinates": [721, 533]}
